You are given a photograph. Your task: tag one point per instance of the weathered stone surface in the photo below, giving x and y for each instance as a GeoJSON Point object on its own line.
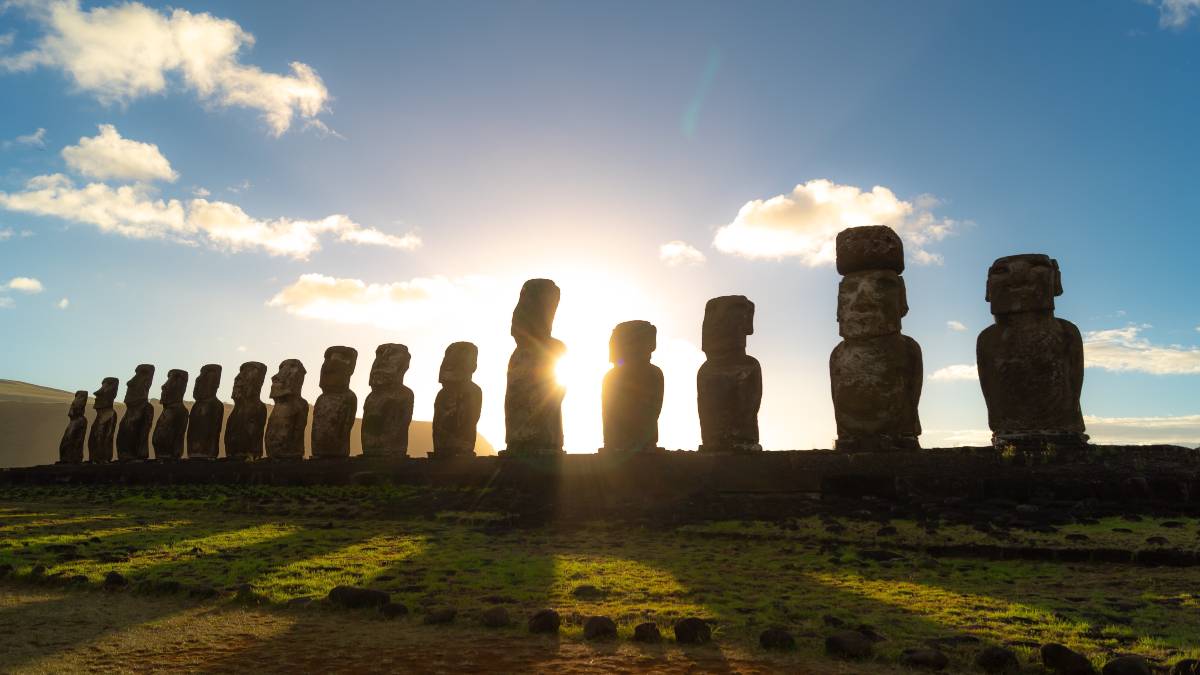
{"type": "Point", "coordinates": [336, 407]}
{"type": "Point", "coordinates": [692, 631]}
{"type": "Point", "coordinates": [997, 660]}
{"type": "Point", "coordinates": [440, 616]}
{"type": "Point", "coordinates": [207, 416]}
{"type": "Point", "coordinates": [387, 412]}
{"type": "Point", "coordinates": [924, 659]}
{"type": "Point", "coordinates": [393, 610]}
{"type": "Point", "coordinates": [533, 397]}
{"type": "Point", "coordinates": [599, 628]}
{"type": "Point", "coordinates": [1186, 667]}
{"type": "Point", "coordinates": [457, 406]}
{"type": "Point", "coordinates": [173, 420]}
{"type": "Point", "coordinates": [1129, 664]}
{"type": "Point", "coordinates": [133, 433]}
{"type": "Point", "coordinates": [776, 639]}
{"type": "Point", "coordinates": [1062, 660]}
{"type": "Point", "coordinates": [632, 392]}
{"type": "Point", "coordinates": [849, 644]}
{"type": "Point", "coordinates": [871, 247]}
{"type": "Point", "coordinates": [354, 597]}
{"type": "Point", "coordinates": [100, 439]}
{"type": "Point", "coordinates": [495, 617]}
{"type": "Point", "coordinates": [248, 419]}
{"type": "Point", "coordinates": [284, 437]}
{"type": "Point", "coordinates": [729, 382]}
{"type": "Point", "coordinates": [544, 621]}
{"type": "Point", "coordinates": [1030, 362]}
{"type": "Point", "coordinates": [647, 632]}
{"type": "Point", "coordinates": [70, 448]}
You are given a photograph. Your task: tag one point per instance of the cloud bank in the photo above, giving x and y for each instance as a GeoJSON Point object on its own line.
{"type": "Point", "coordinates": [1126, 350]}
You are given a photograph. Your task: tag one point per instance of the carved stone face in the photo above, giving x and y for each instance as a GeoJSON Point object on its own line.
{"type": "Point", "coordinates": [337, 368]}
{"type": "Point", "coordinates": [289, 380]}
{"type": "Point", "coordinates": [632, 342]}
{"type": "Point", "coordinates": [1023, 283]}
{"type": "Point", "coordinates": [247, 384]}
{"type": "Point", "coordinates": [459, 363]}
{"type": "Point", "coordinates": [175, 387]}
{"type": "Point", "coordinates": [78, 404]}
{"type": "Point", "coordinates": [207, 382]}
{"type": "Point", "coordinates": [107, 393]}
{"type": "Point", "coordinates": [138, 386]}
{"type": "Point", "coordinates": [871, 304]}
{"type": "Point", "coordinates": [533, 317]}
{"type": "Point", "coordinates": [391, 363]}
{"type": "Point", "coordinates": [727, 322]}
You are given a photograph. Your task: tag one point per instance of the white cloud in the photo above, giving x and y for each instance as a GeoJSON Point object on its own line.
{"type": "Point", "coordinates": [1180, 430]}
{"type": "Point", "coordinates": [680, 253]}
{"type": "Point", "coordinates": [391, 306]}
{"type": "Point", "coordinates": [1125, 350]}
{"type": "Point", "coordinates": [7, 233]}
{"type": "Point", "coordinates": [960, 372]}
{"type": "Point", "coordinates": [200, 192]}
{"type": "Point", "coordinates": [126, 51]}
{"type": "Point", "coordinates": [35, 140]}
{"type": "Point", "coordinates": [6, 303]}
{"type": "Point", "coordinates": [956, 325]}
{"type": "Point", "coordinates": [63, 303]}
{"type": "Point", "coordinates": [240, 187]}
{"type": "Point", "coordinates": [25, 285]}
{"type": "Point", "coordinates": [109, 156]}
{"type": "Point", "coordinates": [805, 222]}
{"type": "Point", "coordinates": [1176, 13]}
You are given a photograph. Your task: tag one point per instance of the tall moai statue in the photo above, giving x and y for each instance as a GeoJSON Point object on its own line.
{"type": "Point", "coordinates": [289, 417]}
{"type": "Point", "coordinates": [70, 448]}
{"type": "Point", "coordinates": [875, 372]}
{"type": "Point", "coordinates": [632, 392]}
{"type": "Point", "coordinates": [729, 382]}
{"type": "Point", "coordinates": [388, 410]}
{"type": "Point", "coordinates": [133, 433]}
{"type": "Point", "coordinates": [1030, 362]}
{"type": "Point", "coordinates": [337, 406]}
{"type": "Point", "coordinates": [457, 406]}
{"type": "Point", "coordinates": [248, 419]}
{"type": "Point", "coordinates": [104, 427]}
{"type": "Point", "coordinates": [533, 397]}
{"type": "Point", "coordinates": [204, 426]}
{"type": "Point", "coordinates": [173, 420]}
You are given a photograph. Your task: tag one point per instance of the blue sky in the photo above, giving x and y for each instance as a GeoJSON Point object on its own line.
{"type": "Point", "coordinates": [422, 159]}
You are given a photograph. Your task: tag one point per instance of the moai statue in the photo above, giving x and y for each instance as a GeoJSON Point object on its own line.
{"type": "Point", "coordinates": [729, 382]}
{"type": "Point", "coordinates": [104, 427]}
{"type": "Point", "coordinates": [1030, 362]}
{"type": "Point", "coordinates": [70, 449]}
{"type": "Point", "coordinates": [248, 419]}
{"type": "Point", "coordinates": [457, 406]}
{"type": "Point", "coordinates": [388, 409]}
{"type": "Point", "coordinates": [875, 372]}
{"type": "Point", "coordinates": [289, 416]}
{"type": "Point", "coordinates": [533, 398]}
{"type": "Point", "coordinates": [337, 406]}
{"type": "Point", "coordinates": [632, 393]}
{"type": "Point", "coordinates": [133, 433]}
{"type": "Point", "coordinates": [173, 420]}
{"type": "Point", "coordinates": [204, 428]}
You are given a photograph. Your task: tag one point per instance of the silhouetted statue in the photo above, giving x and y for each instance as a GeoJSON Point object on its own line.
{"type": "Point", "coordinates": [133, 433]}
{"type": "Point", "coordinates": [173, 420]}
{"type": "Point", "coordinates": [729, 382]}
{"type": "Point", "coordinates": [1030, 362]}
{"type": "Point", "coordinates": [248, 419]}
{"type": "Point", "coordinates": [337, 406]}
{"type": "Point", "coordinates": [104, 427]}
{"type": "Point", "coordinates": [632, 393]}
{"type": "Point", "coordinates": [876, 372]}
{"type": "Point", "coordinates": [457, 406]}
{"type": "Point", "coordinates": [70, 449]}
{"type": "Point", "coordinates": [204, 428]}
{"type": "Point", "coordinates": [533, 398]}
{"type": "Point", "coordinates": [289, 416]}
{"type": "Point", "coordinates": [388, 409]}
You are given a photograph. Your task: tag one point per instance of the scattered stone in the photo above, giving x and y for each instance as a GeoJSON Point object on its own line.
{"type": "Point", "coordinates": [849, 644]}
{"type": "Point", "coordinates": [38, 570]}
{"type": "Point", "coordinates": [1130, 664]}
{"type": "Point", "coordinates": [440, 616]}
{"type": "Point", "coordinates": [599, 628]}
{"type": "Point", "coordinates": [868, 631]}
{"type": "Point", "coordinates": [1062, 660]}
{"type": "Point", "coordinates": [996, 660]}
{"type": "Point", "coordinates": [647, 632]}
{"type": "Point", "coordinates": [114, 579]}
{"type": "Point", "coordinates": [495, 617]}
{"type": "Point", "coordinates": [1157, 541]}
{"type": "Point", "coordinates": [925, 659]}
{"type": "Point", "coordinates": [353, 597]}
{"type": "Point", "coordinates": [1171, 524]}
{"type": "Point", "coordinates": [832, 621]}
{"type": "Point", "coordinates": [1186, 667]}
{"type": "Point", "coordinates": [587, 592]}
{"type": "Point", "coordinates": [393, 610]}
{"type": "Point", "coordinates": [729, 382]}
{"type": "Point", "coordinates": [544, 621]}
{"type": "Point", "coordinates": [300, 603]}
{"type": "Point", "coordinates": [776, 639]}
{"type": "Point", "coordinates": [692, 631]}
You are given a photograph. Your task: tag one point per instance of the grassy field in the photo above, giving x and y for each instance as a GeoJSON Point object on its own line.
{"type": "Point", "coordinates": [234, 571]}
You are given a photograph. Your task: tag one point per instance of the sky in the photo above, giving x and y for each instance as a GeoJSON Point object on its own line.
{"type": "Point", "coordinates": [217, 182]}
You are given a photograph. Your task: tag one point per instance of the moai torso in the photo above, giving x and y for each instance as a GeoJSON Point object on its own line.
{"type": "Point", "coordinates": [70, 448]}
{"type": "Point", "coordinates": [133, 432]}
{"type": "Point", "coordinates": [387, 412]}
{"type": "Point", "coordinates": [289, 417]}
{"type": "Point", "coordinates": [204, 425]}
{"type": "Point", "coordinates": [533, 397]}
{"type": "Point", "coordinates": [729, 382]}
{"type": "Point", "coordinates": [248, 419]}
{"type": "Point", "coordinates": [104, 427]}
{"type": "Point", "coordinates": [337, 406]}
{"type": "Point", "coordinates": [632, 392]}
{"type": "Point", "coordinates": [173, 420]}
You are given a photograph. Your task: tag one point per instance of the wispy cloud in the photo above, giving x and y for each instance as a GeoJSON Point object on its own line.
{"type": "Point", "coordinates": [1176, 13]}
{"type": "Point", "coordinates": [63, 303]}
{"type": "Point", "coordinates": [36, 139]}
{"type": "Point", "coordinates": [25, 285]}
{"type": "Point", "coordinates": [680, 253]}
{"type": "Point", "coordinates": [956, 325]}
{"type": "Point", "coordinates": [1179, 430]}
{"type": "Point", "coordinates": [1127, 350]}
{"type": "Point", "coordinates": [959, 372]}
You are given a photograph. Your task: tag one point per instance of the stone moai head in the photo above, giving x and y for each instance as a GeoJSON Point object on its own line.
{"type": "Point", "coordinates": [248, 383]}
{"type": "Point", "coordinates": [871, 304]}
{"type": "Point", "coordinates": [107, 393]}
{"type": "Point", "coordinates": [337, 368]}
{"type": "Point", "coordinates": [727, 321]}
{"type": "Point", "coordinates": [289, 380]}
{"type": "Point", "coordinates": [633, 342]}
{"type": "Point", "coordinates": [1023, 283]}
{"type": "Point", "coordinates": [207, 382]}
{"type": "Point", "coordinates": [459, 363]}
{"type": "Point", "coordinates": [175, 387]}
{"type": "Point", "coordinates": [870, 247]}
{"type": "Point", "coordinates": [391, 363]}
{"type": "Point", "coordinates": [78, 404]}
{"type": "Point", "coordinates": [533, 317]}
{"type": "Point", "coordinates": [138, 386]}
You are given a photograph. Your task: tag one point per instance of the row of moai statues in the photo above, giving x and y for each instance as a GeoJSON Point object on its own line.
{"type": "Point", "coordinates": [250, 432]}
